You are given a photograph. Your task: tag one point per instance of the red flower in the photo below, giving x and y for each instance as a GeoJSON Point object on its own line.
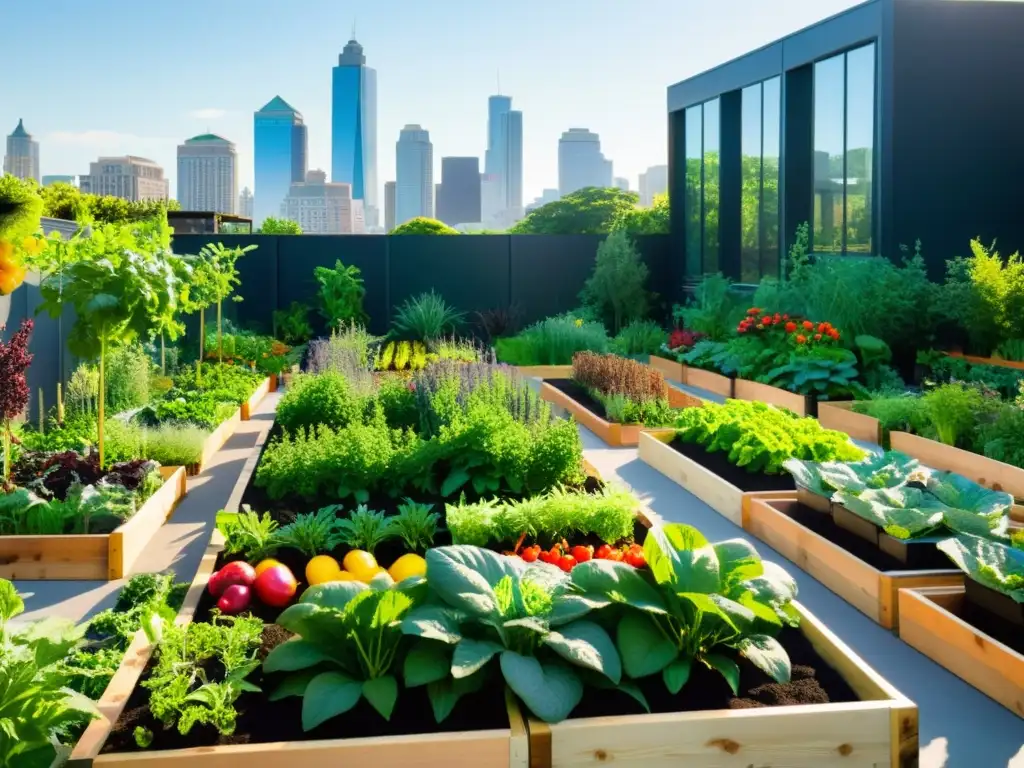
{"type": "Point", "coordinates": [834, 334]}
{"type": "Point", "coordinates": [785, 317]}
{"type": "Point", "coordinates": [817, 337]}
{"type": "Point", "coordinates": [766, 320]}
{"type": "Point", "coordinates": [808, 325]}
{"type": "Point", "coordinates": [778, 318]}
{"type": "Point", "coordinates": [801, 339]}
{"type": "Point", "coordinates": [790, 327]}
{"type": "Point", "coordinates": [822, 327]}
{"type": "Point", "coordinates": [753, 311]}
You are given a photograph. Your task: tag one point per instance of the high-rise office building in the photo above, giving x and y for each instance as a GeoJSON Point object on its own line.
{"type": "Point", "coordinates": [503, 162]}
{"type": "Point", "coordinates": [414, 184]}
{"type": "Point", "coordinates": [494, 158]}
{"type": "Point", "coordinates": [547, 196]}
{"type": "Point", "coordinates": [512, 174]}
{"type": "Point", "coordinates": [58, 179]}
{"type": "Point", "coordinates": [458, 194]}
{"type": "Point", "coordinates": [245, 201]}
{"type": "Point", "coordinates": [22, 157]}
{"type": "Point", "coordinates": [580, 162]}
{"type": "Point", "coordinates": [354, 127]}
{"type": "Point", "coordinates": [281, 151]}
{"type": "Point", "coordinates": [621, 182]}
{"type": "Point", "coordinates": [208, 174]}
{"type": "Point", "coordinates": [129, 177]}
{"type": "Point", "coordinates": [653, 182]}
{"type": "Point", "coordinates": [389, 206]}
{"type": "Point", "coordinates": [323, 208]}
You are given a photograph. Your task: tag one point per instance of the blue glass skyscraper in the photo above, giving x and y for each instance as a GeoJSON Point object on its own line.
{"type": "Point", "coordinates": [354, 128]}
{"type": "Point", "coordinates": [280, 156]}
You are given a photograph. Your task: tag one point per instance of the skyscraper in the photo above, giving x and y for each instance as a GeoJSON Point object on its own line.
{"type": "Point", "coordinates": [414, 185]}
{"type": "Point", "coordinates": [458, 194]}
{"type": "Point", "coordinates": [132, 178]}
{"type": "Point", "coordinates": [280, 156]}
{"type": "Point", "coordinates": [512, 155]}
{"type": "Point", "coordinates": [22, 157]}
{"type": "Point", "coordinates": [245, 203]}
{"type": "Point", "coordinates": [653, 182]}
{"type": "Point", "coordinates": [621, 182]}
{"type": "Point", "coordinates": [208, 174]}
{"type": "Point", "coordinates": [580, 162]}
{"type": "Point", "coordinates": [354, 127]}
{"type": "Point", "coordinates": [389, 206]}
{"type": "Point", "coordinates": [494, 159]}
{"type": "Point", "coordinates": [321, 208]}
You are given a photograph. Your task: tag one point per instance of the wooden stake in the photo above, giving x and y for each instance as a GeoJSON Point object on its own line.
{"type": "Point", "coordinates": [102, 397]}
{"type": "Point", "coordinates": [60, 403]}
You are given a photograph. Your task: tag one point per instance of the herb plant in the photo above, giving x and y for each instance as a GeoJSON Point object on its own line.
{"type": "Point", "coordinates": [312, 533]}
{"type": "Point", "coordinates": [252, 535]}
{"type": "Point", "coordinates": [702, 603]}
{"type": "Point", "coordinates": [416, 525]}
{"type": "Point", "coordinates": [426, 317]}
{"type": "Point", "coordinates": [553, 341]}
{"type": "Point", "coordinates": [364, 529]}
{"type": "Point", "coordinates": [325, 398]}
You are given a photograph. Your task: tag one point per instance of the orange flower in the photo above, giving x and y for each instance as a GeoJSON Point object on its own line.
{"type": "Point", "coordinates": [753, 311]}
{"type": "Point", "coordinates": [808, 325]}
{"type": "Point", "coordinates": [801, 339]}
{"type": "Point", "coordinates": [817, 337]}
{"type": "Point", "coordinates": [822, 327]}
{"type": "Point", "coordinates": [790, 327]}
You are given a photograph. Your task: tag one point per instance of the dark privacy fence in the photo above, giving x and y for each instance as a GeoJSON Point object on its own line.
{"type": "Point", "coordinates": [541, 275]}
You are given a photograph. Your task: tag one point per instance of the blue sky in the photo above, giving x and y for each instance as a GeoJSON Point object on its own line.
{"type": "Point", "coordinates": [130, 77]}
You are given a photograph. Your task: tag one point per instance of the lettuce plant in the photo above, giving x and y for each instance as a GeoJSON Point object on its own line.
{"type": "Point", "coordinates": [885, 470]}
{"type": "Point", "coordinates": [701, 603]}
{"type": "Point", "coordinates": [990, 563]}
{"type": "Point", "coordinates": [348, 639]}
{"type": "Point", "coordinates": [525, 615]}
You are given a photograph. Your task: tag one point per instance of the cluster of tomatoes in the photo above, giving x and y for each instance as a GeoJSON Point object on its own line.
{"type": "Point", "coordinates": [566, 557]}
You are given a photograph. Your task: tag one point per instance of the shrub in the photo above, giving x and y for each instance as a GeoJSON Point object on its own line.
{"type": "Point", "coordinates": [714, 310]}
{"type": "Point", "coordinates": [500, 321]}
{"type": "Point", "coordinates": [422, 225]}
{"type": "Point", "coordinates": [234, 382]}
{"type": "Point", "coordinates": [203, 408]}
{"type": "Point", "coordinates": [325, 398]}
{"type": "Point", "coordinates": [611, 375]}
{"type": "Point", "coordinates": [292, 325]}
{"type": "Point", "coordinates": [426, 317]}
{"type": "Point", "coordinates": [953, 410]}
{"type": "Point", "coordinates": [640, 337]}
{"type": "Point", "coordinates": [341, 294]}
{"type": "Point", "coordinates": [616, 290]}
{"type": "Point", "coordinates": [128, 370]}
{"type": "Point", "coordinates": [553, 341]}
{"type": "Point", "coordinates": [987, 295]}
{"type": "Point", "coordinates": [173, 445]}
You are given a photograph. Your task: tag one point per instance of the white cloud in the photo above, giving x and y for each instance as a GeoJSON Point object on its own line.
{"type": "Point", "coordinates": [209, 113]}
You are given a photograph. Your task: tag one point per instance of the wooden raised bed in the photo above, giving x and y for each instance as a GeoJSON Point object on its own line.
{"type": "Point", "coordinates": [871, 591]}
{"type": "Point", "coordinates": [215, 441]}
{"type": "Point", "coordinates": [545, 371]}
{"type": "Point", "coordinates": [255, 399]}
{"type": "Point", "coordinates": [92, 556]}
{"type": "Point", "coordinates": [709, 381]}
{"type": "Point", "coordinates": [879, 730]}
{"type": "Point", "coordinates": [744, 389]}
{"type": "Point", "coordinates": [613, 434]}
{"type": "Point", "coordinates": [931, 623]}
{"type": "Point", "coordinates": [999, 361]}
{"type": "Point", "coordinates": [982, 470]}
{"type": "Point", "coordinates": [670, 369]}
{"type": "Point", "coordinates": [841, 416]}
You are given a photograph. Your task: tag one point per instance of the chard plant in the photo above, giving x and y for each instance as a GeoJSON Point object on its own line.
{"type": "Point", "coordinates": [527, 617]}
{"type": "Point", "coordinates": [993, 564]}
{"type": "Point", "coordinates": [347, 647]}
{"type": "Point", "coordinates": [701, 603]}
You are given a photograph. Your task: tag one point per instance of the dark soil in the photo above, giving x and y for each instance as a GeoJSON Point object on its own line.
{"type": "Point", "coordinates": [924, 556]}
{"type": "Point", "coordinates": [580, 395]}
{"type": "Point", "coordinates": [718, 462]}
{"type": "Point", "coordinates": [996, 627]}
{"type": "Point", "coordinates": [261, 721]}
{"type": "Point", "coordinates": [813, 682]}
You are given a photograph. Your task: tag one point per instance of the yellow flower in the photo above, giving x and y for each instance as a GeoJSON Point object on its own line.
{"type": "Point", "coordinates": [579, 322]}
{"type": "Point", "coordinates": [33, 246]}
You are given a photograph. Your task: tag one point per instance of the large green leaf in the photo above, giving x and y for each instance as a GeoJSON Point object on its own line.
{"type": "Point", "coordinates": [568, 608]}
{"type": "Point", "coordinates": [294, 655]}
{"type": "Point", "coordinates": [959, 492]}
{"type": "Point", "coordinates": [434, 622]}
{"type": "Point", "coordinates": [328, 695]}
{"type": "Point", "coordinates": [643, 647]}
{"type": "Point", "coordinates": [549, 691]}
{"type": "Point", "coordinates": [465, 577]}
{"type": "Point", "coordinates": [676, 674]}
{"type": "Point", "coordinates": [334, 594]}
{"type": "Point", "coordinates": [768, 655]}
{"type": "Point", "coordinates": [426, 662]}
{"type": "Point", "coordinates": [586, 644]}
{"type": "Point", "coordinates": [293, 685]}
{"type": "Point", "coordinates": [470, 655]}
{"type": "Point", "coordinates": [737, 561]}
{"type": "Point", "coordinates": [993, 564]}
{"type": "Point", "coordinates": [730, 669]}
{"type": "Point", "coordinates": [382, 693]}
{"type": "Point", "coordinates": [445, 694]}
{"type": "Point", "coordinates": [618, 582]}
{"type": "Point", "coordinates": [680, 555]}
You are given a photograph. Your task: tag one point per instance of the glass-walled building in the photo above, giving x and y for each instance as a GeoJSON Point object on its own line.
{"type": "Point", "coordinates": [868, 128]}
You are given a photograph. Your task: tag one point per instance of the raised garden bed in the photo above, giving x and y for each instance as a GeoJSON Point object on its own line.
{"type": "Point", "coordinates": [867, 723]}
{"type": "Point", "coordinates": [708, 476]}
{"type": "Point", "coordinates": [862, 574]}
{"type": "Point", "coordinates": [981, 650]}
{"type": "Point", "coordinates": [709, 381]}
{"type": "Point", "coordinates": [215, 441]}
{"type": "Point", "coordinates": [95, 557]}
{"type": "Point", "coordinates": [801, 405]}
{"type": "Point", "coordinates": [982, 470]}
{"type": "Point", "coordinates": [988, 360]}
{"type": "Point", "coordinates": [670, 369]}
{"type": "Point", "coordinates": [545, 371]}
{"type": "Point", "coordinates": [566, 394]}
{"type": "Point", "coordinates": [250, 405]}
{"type": "Point", "coordinates": [841, 417]}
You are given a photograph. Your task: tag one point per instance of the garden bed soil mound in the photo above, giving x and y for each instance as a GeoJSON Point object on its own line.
{"type": "Point", "coordinates": [996, 627]}
{"type": "Point", "coordinates": [580, 395]}
{"type": "Point", "coordinates": [925, 556]}
{"type": "Point", "coordinates": [718, 463]}
{"type": "Point", "coordinates": [813, 681]}
{"type": "Point", "coordinates": [262, 722]}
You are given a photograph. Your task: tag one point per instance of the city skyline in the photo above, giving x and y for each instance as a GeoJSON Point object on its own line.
{"type": "Point", "coordinates": [436, 66]}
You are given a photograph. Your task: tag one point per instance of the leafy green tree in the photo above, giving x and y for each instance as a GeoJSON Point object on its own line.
{"type": "Point", "coordinates": [216, 277]}
{"type": "Point", "coordinates": [646, 221]}
{"type": "Point", "coordinates": [421, 225]}
{"type": "Point", "coordinates": [589, 211]}
{"type": "Point", "coordinates": [124, 287]}
{"type": "Point", "coordinates": [275, 226]}
{"type": "Point", "coordinates": [341, 294]}
{"type": "Point", "coordinates": [63, 201]}
{"type": "Point", "coordinates": [616, 290]}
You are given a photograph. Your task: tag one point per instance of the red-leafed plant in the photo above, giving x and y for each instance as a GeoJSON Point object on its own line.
{"type": "Point", "coordinates": [681, 339]}
{"type": "Point", "coordinates": [14, 361]}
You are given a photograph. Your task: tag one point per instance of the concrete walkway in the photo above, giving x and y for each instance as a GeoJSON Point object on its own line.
{"type": "Point", "coordinates": [959, 727]}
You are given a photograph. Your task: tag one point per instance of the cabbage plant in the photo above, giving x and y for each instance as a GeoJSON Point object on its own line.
{"type": "Point", "coordinates": [990, 563]}
{"type": "Point", "coordinates": [701, 603]}
{"type": "Point", "coordinates": [887, 470]}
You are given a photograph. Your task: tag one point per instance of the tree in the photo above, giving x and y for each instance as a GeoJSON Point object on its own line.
{"type": "Point", "coordinates": [274, 226]}
{"type": "Point", "coordinates": [646, 221]}
{"type": "Point", "coordinates": [589, 211]}
{"type": "Point", "coordinates": [63, 201]}
{"type": "Point", "coordinates": [616, 290]}
{"type": "Point", "coordinates": [421, 225]}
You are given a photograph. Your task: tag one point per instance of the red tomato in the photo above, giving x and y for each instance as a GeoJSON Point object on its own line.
{"type": "Point", "coordinates": [614, 555]}
{"type": "Point", "coordinates": [582, 554]}
{"type": "Point", "coordinates": [531, 554]}
{"type": "Point", "coordinates": [603, 551]}
{"type": "Point", "coordinates": [566, 562]}
{"type": "Point", "coordinates": [235, 599]}
{"type": "Point", "coordinates": [635, 558]}
{"type": "Point", "coordinates": [276, 586]}
{"type": "Point", "coordinates": [237, 572]}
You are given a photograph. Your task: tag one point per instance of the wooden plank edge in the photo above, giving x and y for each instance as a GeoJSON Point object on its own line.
{"type": "Point", "coordinates": [249, 406]}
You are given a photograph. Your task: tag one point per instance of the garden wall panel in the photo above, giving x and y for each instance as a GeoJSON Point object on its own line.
{"type": "Point", "coordinates": [471, 271]}
{"type": "Point", "coordinates": [548, 272]}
